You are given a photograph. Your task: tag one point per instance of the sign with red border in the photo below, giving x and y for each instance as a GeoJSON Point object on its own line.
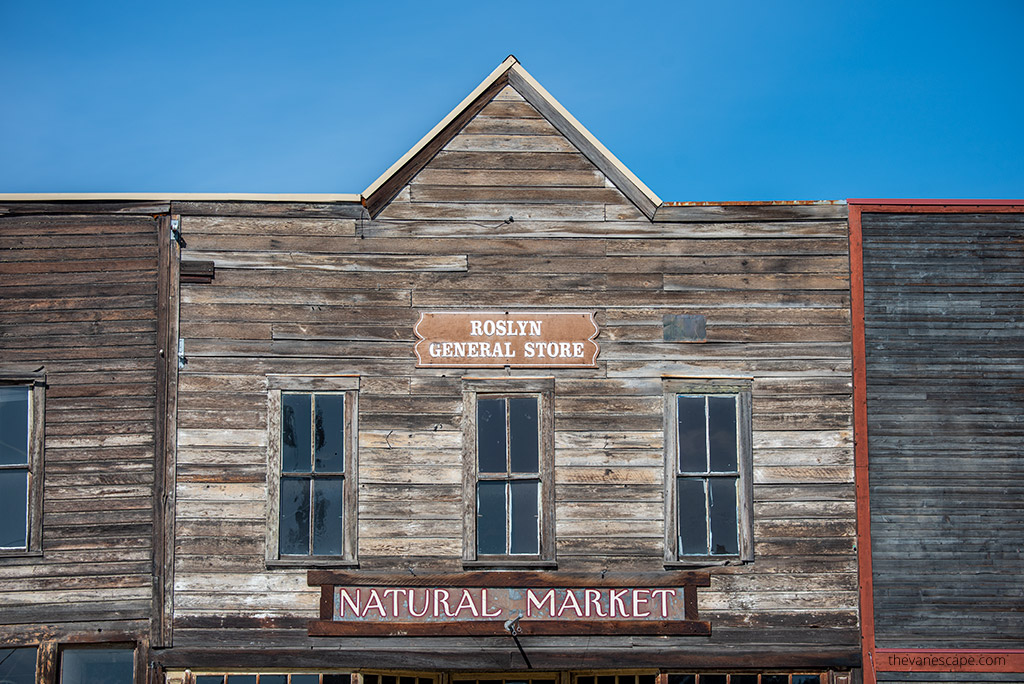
{"type": "Point", "coordinates": [496, 339]}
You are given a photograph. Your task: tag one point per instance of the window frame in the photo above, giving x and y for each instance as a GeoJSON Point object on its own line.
{"type": "Point", "coordinates": [741, 388]}
{"type": "Point", "coordinates": [543, 388]}
{"type": "Point", "coordinates": [348, 386]}
{"type": "Point", "coordinates": [35, 381]}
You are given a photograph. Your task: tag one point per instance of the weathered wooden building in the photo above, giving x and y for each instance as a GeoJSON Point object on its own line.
{"type": "Point", "coordinates": [939, 343]}
{"type": "Point", "coordinates": [504, 416]}
{"type": "Point", "coordinates": [82, 365]}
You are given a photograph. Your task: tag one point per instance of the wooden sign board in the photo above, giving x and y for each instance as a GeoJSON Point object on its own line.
{"type": "Point", "coordinates": [507, 603]}
{"type": "Point", "coordinates": [495, 339]}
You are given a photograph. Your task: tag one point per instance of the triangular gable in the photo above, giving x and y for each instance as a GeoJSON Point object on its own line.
{"type": "Point", "coordinates": [509, 73]}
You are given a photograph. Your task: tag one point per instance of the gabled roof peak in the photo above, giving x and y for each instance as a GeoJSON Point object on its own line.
{"type": "Point", "coordinates": [509, 73]}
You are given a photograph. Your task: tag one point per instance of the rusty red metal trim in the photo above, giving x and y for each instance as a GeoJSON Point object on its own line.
{"type": "Point", "coordinates": [948, 660]}
{"type": "Point", "coordinates": [909, 203]}
{"type": "Point", "coordinates": [860, 445]}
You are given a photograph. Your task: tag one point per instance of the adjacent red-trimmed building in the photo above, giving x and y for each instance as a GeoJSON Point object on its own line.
{"type": "Point", "coordinates": [938, 320]}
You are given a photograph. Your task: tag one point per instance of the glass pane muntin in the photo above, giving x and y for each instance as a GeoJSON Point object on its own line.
{"type": "Point", "coordinates": [313, 452]}
{"type": "Point", "coordinates": [700, 476]}
{"type": "Point", "coordinates": [508, 475]}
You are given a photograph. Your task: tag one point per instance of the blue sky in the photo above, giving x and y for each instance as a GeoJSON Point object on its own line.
{"type": "Point", "coordinates": [704, 101]}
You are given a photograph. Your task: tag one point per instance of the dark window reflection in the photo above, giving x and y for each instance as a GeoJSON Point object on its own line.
{"type": "Point", "coordinates": [690, 502]}
{"type": "Point", "coordinates": [524, 433]}
{"type": "Point", "coordinates": [330, 433]}
{"type": "Point", "coordinates": [327, 516]}
{"type": "Point", "coordinates": [294, 519]}
{"type": "Point", "coordinates": [722, 433]}
{"type": "Point", "coordinates": [14, 508]}
{"type": "Point", "coordinates": [490, 517]}
{"type": "Point", "coordinates": [490, 426]}
{"type": "Point", "coordinates": [13, 424]}
{"type": "Point", "coordinates": [692, 439]}
{"type": "Point", "coordinates": [97, 666]}
{"type": "Point", "coordinates": [723, 515]}
{"type": "Point", "coordinates": [296, 417]}
{"type": "Point", "coordinates": [525, 516]}
{"type": "Point", "coordinates": [330, 679]}
{"type": "Point", "coordinates": [18, 665]}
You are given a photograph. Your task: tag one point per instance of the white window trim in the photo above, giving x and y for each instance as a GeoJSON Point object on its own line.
{"type": "Point", "coordinates": [742, 389]}
{"type": "Point", "coordinates": [544, 389]}
{"type": "Point", "coordinates": [341, 384]}
{"type": "Point", "coordinates": [36, 382]}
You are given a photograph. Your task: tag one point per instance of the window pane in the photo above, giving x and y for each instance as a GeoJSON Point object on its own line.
{"type": "Point", "coordinates": [490, 429]}
{"type": "Point", "coordinates": [209, 679]}
{"type": "Point", "coordinates": [330, 433]}
{"type": "Point", "coordinates": [241, 679]}
{"type": "Point", "coordinates": [274, 679]}
{"type": "Point", "coordinates": [525, 518]}
{"type": "Point", "coordinates": [13, 425]}
{"type": "Point", "coordinates": [806, 679]}
{"type": "Point", "coordinates": [330, 679]}
{"type": "Point", "coordinates": [743, 679]}
{"type": "Point", "coordinates": [712, 679]}
{"type": "Point", "coordinates": [294, 534]}
{"type": "Point", "coordinates": [490, 517]}
{"type": "Point", "coordinates": [692, 443]}
{"type": "Point", "coordinates": [327, 516]}
{"type": "Point", "coordinates": [692, 516]}
{"type": "Point", "coordinates": [774, 679]}
{"type": "Point", "coordinates": [14, 508]}
{"type": "Point", "coordinates": [723, 516]}
{"type": "Point", "coordinates": [682, 679]}
{"type": "Point", "coordinates": [18, 665]}
{"type": "Point", "coordinates": [296, 412]}
{"type": "Point", "coordinates": [523, 432]}
{"type": "Point", "coordinates": [722, 424]}
{"type": "Point", "coordinates": [97, 666]}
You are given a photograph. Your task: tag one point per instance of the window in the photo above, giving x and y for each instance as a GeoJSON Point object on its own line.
{"type": "Point", "coordinates": [21, 464]}
{"type": "Point", "coordinates": [17, 665]}
{"type": "Point", "coordinates": [97, 666]}
{"type": "Point", "coordinates": [508, 452]}
{"type": "Point", "coordinates": [707, 471]}
{"type": "Point", "coordinates": [312, 470]}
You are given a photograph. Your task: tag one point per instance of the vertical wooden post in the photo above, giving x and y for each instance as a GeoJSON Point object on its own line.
{"type": "Point", "coordinates": [46, 662]}
{"type": "Point", "coordinates": [165, 432]}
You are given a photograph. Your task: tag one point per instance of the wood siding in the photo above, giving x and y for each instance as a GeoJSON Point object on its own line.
{"type": "Point", "coordinates": [340, 295]}
{"type": "Point", "coordinates": [944, 320]}
{"type": "Point", "coordinates": [78, 299]}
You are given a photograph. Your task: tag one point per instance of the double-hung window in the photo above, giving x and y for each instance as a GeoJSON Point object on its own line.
{"type": "Point", "coordinates": [21, 464]}
{"type": "Point", "coordinates": [708, 514]}
{"type": "Point", "coordinates": [508, 465]}
{"type": "Point", "coordinates": [312, 470]}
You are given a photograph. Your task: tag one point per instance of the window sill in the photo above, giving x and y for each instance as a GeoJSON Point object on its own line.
{"type": "Point", "coordinates": [20, 553]}
{"type": "Point", "coordinates": [312, 563]}
{"type": "Point", "coordinates": [511, 564]}
{"type": "Point", "coordinates": [704, 562]}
